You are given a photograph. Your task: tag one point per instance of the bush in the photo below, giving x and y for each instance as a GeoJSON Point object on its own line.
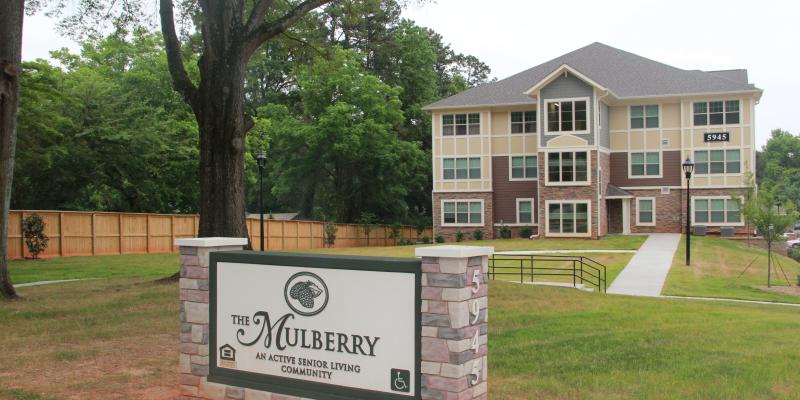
{"type": "Point", "coordinates": [477, 234]}
{"type": "Point", "coordinates": [459, 236]}
{"type": "Point", "coordinates": [505, 232]}
{"type": "Point", "coordinates": [439, 239]}
{"type": "Point", "coordinates": [33, 231]}
{"type": "Point", "coordinates": [525, 232]}
{"type": "Point", "coordinates": [425, 239]}
{"type": "Point", "coordinates": [394, 232]}
{"type": "Point", "coordinates": [330, 233]}
{"type": "Point", "coordinates": [794, 253]}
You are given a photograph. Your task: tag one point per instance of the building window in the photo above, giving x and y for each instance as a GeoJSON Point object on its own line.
{"type": "Point", "coordinates": [524, 211]}
{"type": "Point", "coordinates": [646, 164]}
{"type": "Point", "coordinates": [461, 168]}
{"type": "Point", "coordinates": [646, 211]}
{"type": "Point", "coordinates": [716, 211]}
{"type": "Point", "coordinates": [644, 116]}
{"type": "Point", "coordinates": [568, 218]}
{"type": "Point", "coordinates": [566, 116]}
{"type": "Point", "coordinates": [717, 162]}
{"type": "Point", "coordinates": [523, 122]}
{"type": "Point", "coordinates": [524, 167]}
{"type": "Point", "coordinates": [567, 167]}
{"type": "Point", "coordinates": [462, 213]}
{"type": "Point", "coordinates": [461, 124]}
{"type": "Point", "coordinates": [716, 112]}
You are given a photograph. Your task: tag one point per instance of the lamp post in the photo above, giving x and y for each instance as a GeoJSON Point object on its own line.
{"type": "Point", "coordinates": [688, 168]}
{"type": "Point", "coordinates": [771, 228]}
{"type": "Point", "coordinates": [262, 162]}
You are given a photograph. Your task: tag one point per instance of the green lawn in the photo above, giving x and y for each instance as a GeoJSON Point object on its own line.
{"type": "Point", "coordinates": [97, 267]}
{"type": "Point", "coordinates": [716, 264]}
{"type": "Point", "coordinates": [119, 339]}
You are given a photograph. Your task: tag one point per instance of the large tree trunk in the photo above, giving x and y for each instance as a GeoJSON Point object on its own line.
{"type": "Point", "coordinates": [221, 121]}
{"type": "Point", "coordinates": [11, 14]}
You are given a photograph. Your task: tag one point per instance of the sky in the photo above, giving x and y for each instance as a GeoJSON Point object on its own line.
{"type": "Point", "coordinates": [511, 36]}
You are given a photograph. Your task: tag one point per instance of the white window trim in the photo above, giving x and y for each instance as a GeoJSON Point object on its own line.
{"type": "Point", "coordinates": [510, 166]}
{"type": "Point", "coordinates": [546, 171]}
{"type": "Point", "coordinates": [547, 218]}
{"type": "Point", "coordinates": [694, 209]}
{"type": "Point", "coordinates": [660, 165]}
{"type": "Point", "coordinates": [640, 223]}
{"type": "Point", "coordinates": [480, 124]}
{"type": "Point", "coordinates": [456, 224]}
{"type": "Point", "coordinates": [724, 111]}
{"type": "Point", "coordinates": [725, 154]}
{"type": "Point", "coordinates": [468, 179]}
{"type": "Point", "coordinates": [535, 125]}
{"type": "Point", "coordinates": [533, 212]}
{"type": "Point", "coordinates": [572, 132]}
{"type": "Point", "coordinates": [644, 128]}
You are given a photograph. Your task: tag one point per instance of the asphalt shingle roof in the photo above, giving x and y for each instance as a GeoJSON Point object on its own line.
{"type": "Point", "coordinates": [625, 74]}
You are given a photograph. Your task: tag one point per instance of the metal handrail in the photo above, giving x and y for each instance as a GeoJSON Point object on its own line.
{"type": "Point", "coordinates": [583, 269]}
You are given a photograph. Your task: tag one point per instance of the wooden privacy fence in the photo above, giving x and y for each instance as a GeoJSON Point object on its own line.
{"type": "Point", "coordinates": [80, 233]}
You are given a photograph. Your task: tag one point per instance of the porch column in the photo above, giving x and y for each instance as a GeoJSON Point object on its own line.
{"type": "Point", "coordinates": [626, 216]}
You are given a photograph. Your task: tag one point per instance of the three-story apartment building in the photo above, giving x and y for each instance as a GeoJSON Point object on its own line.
{"type": "Point", "coordinates": [591, 143]}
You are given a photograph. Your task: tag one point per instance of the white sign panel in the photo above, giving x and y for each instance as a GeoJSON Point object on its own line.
{"type": "Point", "coordinates": [317, 329]}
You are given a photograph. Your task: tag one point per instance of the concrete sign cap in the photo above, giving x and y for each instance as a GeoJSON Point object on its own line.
{"type": "Point", "coordinates": [210, 242]}
{"type": "Point", "coordinates": [452, 251]}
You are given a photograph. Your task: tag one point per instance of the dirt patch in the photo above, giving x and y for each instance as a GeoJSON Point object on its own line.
{"type": "Point", "coordinates": [787, 290]}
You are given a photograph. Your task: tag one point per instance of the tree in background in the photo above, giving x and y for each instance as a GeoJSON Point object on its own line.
{"type": "Point", "coordinates": [368, 223]}
{"type": "Point", "coordinates": [761, 211]}
{"type": "Point", "coordinates": [11, 15]}
{"type": "Point", "coordinates": [780, 158]}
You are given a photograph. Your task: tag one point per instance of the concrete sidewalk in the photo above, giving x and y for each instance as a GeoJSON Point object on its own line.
{"type": "Point", "coordinates": [646, 272]}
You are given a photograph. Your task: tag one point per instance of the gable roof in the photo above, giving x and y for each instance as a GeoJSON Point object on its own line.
{"type": "Point", "coordinates": [624, 74]}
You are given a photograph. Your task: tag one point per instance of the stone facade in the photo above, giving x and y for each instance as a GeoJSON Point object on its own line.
{"type": "Point", "coordinates": [586, 192]}
{"type": "Point", "coordinates": [454, 338]}
{"type": "Point", "coordinates": [449, 233]}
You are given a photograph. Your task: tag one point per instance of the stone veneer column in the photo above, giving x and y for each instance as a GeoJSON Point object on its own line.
{"type": "Point", "coordinates": [194, 317]}
{"type": "Point", "coordinates": [454, 339]}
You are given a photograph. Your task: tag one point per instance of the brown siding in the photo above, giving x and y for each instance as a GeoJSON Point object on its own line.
{"type": "Point", "coordinates": [507, 192]}
{"type": "Point", "coordinates": [671, 170]}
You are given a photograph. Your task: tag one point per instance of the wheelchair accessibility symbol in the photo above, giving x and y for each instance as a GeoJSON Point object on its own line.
{"type": "Point", "coordinates": [401, 380]}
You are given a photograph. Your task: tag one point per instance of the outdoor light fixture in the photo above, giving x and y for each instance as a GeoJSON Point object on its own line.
{"type": "Point", "coordinates": [262, 163]}
{"type": "Point", "coordinates": [688, 168]}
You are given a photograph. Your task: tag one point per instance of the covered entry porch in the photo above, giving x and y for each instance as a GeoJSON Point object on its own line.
{"type": "Point", "coordinates": [618, 204]}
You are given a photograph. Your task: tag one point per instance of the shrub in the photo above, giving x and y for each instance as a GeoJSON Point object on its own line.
{"type": "Point", "coordinates": [794, 253]}
{"type": "Point", "coordinates": [33, 231]}
{"type": "Point", "coordinates": [425, 239]}
{"type": "Point", "coordinates": [439, 239]}
{"type": "Point", "coordinates": [459, 236]}
{"type": "Point", "coordinates": [330, 233]}
{"type": "Point", "coordinates": [525, 232]}
{"type": "Point", "coordinates": [505, 231]}
{"type": "Point", "coordinates": [477, 234]}
{"type": "Point", "coordinates": [394, 232]}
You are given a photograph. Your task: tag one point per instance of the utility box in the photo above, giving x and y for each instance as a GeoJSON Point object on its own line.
{"type": "Point", "coordinates": [699, 230]}
{"type": "Point", "coordinates": [727, 231]}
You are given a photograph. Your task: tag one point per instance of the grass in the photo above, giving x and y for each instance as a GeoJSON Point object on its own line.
{"type": "Point", "coordinates": [97, 267]}
{"type": "Point", "coordinates": [118, 339]}
{"type": "Point", "coordinates": [716, 264]}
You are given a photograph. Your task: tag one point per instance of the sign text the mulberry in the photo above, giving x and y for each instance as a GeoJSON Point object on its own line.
{"type": "Point", "coordinates": [312, 326]}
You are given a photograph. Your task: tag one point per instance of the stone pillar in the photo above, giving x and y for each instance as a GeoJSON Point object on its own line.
{"type": "Point", "coordinates": [454, 322]}
{"type": "Point", "coordinates": [194, 316]}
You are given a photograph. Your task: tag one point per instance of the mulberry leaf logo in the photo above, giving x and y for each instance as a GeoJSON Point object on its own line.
{"type": "Point", "coordinates": [306, 294]}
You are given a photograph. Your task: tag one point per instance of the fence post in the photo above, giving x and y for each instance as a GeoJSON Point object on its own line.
{"type": "Point", "coordinates": [61, 233]}
{"type": "Point", "coordinates": [121, 230]}
{"type": "Point", "coordinates": [147, 233]}
{"type": "Point", "coordinates": [94, 235]}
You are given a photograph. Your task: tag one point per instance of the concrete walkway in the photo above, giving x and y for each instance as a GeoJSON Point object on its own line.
{"type": "Point", "coordinates": [40, 283]}
{"type": "Point", "coordinates": [646, 272]}
{"type": "Point", "coordinates": [531, 252]}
